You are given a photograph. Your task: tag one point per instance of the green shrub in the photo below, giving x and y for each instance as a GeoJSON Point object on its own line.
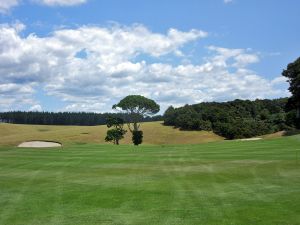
{"type": "Point", "coordinates": [137, 137]}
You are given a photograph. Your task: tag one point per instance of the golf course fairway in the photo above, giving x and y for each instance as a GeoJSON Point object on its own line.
{"type": "Point", "coordinates": [223, 182]}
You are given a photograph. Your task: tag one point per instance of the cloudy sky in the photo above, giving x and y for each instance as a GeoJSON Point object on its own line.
{"type": "Point", "coordinates": [86, 55]}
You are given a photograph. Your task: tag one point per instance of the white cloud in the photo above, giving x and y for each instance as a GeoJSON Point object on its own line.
{"type": "Point", "coordinates": [279, 80]}
{"type": "Point", "coordinates": [15, 96]}
{"type": "Point", "coordinates": [36, 108]}
{"type": "Point", "coordinates": [116, 63]}
{"type": "Point", "coordinates": [228, 1]}
{"type": "Point", "coordinates": [6, 5]}
{"type": "Point", "coordinates": [60, 2]}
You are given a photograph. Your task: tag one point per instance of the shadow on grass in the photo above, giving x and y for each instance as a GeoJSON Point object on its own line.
{"type": "Point", "coordinates": [291, 132]}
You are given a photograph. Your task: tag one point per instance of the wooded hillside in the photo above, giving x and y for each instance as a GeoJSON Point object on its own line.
{"type": "Point", "coordinates": [234, 119]}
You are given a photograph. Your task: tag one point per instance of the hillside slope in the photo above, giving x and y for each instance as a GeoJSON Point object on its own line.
{"type": "Point", "coordinates": [154, 133]}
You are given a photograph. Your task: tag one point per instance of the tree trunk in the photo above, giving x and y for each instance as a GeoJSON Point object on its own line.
{"type": "Point", "coordinates": [135, 126]}
{"type": "Point", "coordinates": [298, 117]}
{"type": "Point", "coordinates": [117, 142]}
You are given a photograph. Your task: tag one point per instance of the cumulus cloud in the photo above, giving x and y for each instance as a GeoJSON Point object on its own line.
{"type": "Point", "coordinates": [16, 96]}
{"type": "Point", "coordinates": [241, 57]}
{"type": "Point", "coordinates": [35, 108]}
{"type": "Point", "coordinates": [6, 5]}
{"type": "Point", "coordinates": [90, 68]}
{"type": "Point", "coordinates": [279, 80]}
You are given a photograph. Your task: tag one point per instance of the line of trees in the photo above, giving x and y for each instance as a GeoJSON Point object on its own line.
{"type": "Point", "coordinates": [234, 119]}
{"type": "Point", "coordinates": [243, 119]}
{"type": "Point", "coordinates": [66, 118]}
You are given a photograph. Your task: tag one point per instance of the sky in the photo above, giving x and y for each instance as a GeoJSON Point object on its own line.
{"type": "Point", "coordinates": [86, 55]}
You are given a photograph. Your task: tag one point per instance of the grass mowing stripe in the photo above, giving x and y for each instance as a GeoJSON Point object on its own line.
{"type": "Point", "coordinates": [12, 205]}
{"type": "Point", "coordinates": [217, 183]}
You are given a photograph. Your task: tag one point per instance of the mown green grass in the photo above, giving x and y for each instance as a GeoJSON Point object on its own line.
{"type": "Point", "coordinates": [227, 182]}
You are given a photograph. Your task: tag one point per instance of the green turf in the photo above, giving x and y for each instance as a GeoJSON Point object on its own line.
{"type": "Point", "coordinates": [232, 182]}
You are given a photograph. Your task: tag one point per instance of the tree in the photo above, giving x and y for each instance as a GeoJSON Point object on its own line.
{"type": "Point", "coordinates": [170, 116]}
{"type": "Point", "coordinates": [117, 133]}
{"type": "Point", "coordinates": [137, 107]}
{"type": "Point", "coordinates": [292, 72]}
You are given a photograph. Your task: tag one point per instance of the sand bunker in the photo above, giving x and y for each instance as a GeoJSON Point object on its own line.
{"type": "Point", "coordinates": [39, 144]}
{"type": "Point", "coordinates": [250, 139]}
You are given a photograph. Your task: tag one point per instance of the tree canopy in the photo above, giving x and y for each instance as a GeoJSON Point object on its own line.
{"type": "Point", "coordinates": [137, 106]}
{"type": "Point", "coordinates": [235, 119]}
{"type": "Point", "coordinates": [117, 132]}
{"type": "Point", "coordinates": [292, 72]}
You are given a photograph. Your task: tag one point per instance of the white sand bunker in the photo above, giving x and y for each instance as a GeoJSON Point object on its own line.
{"type": "Point", "coordinates": [39, 144]}
{"type": "Point", "coordinates": [250, 139]}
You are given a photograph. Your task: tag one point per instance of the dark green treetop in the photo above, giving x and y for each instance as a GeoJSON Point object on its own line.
{"type": "Point", "coordinates": [292, 72]}
{"type": "Point", "coordinates": [137, 106]}
{"type": "Point", "coordinates": [117, 133]}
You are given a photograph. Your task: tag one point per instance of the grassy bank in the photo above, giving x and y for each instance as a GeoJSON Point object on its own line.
{"type": "Point", "coordinates": [154, 133]}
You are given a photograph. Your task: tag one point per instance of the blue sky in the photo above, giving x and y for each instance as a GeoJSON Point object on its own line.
{"type": "Point", "coordinates": [85, 55]}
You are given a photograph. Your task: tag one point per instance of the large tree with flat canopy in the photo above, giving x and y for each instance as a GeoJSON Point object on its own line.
{"type": "Point", "coordinates": [292, 72]}
{"type": "Point", "coordinates": [137, 106]}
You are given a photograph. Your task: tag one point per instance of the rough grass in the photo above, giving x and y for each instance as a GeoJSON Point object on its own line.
{"type": "Point", "coordinates": [226, 182]}
{"type": "Point", "coordinates": [154, 132]}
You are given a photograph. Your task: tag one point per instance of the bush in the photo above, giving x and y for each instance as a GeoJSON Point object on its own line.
{"type": "Point", "coordinates": [115, 135]}
{"type": "Point", "coordinates": [137, 137]}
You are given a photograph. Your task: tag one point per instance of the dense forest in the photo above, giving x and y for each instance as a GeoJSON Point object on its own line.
{"type": "Point", "coordinates": [234, 119]}
{"type": "Point", "coordinates": [64, 118]}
